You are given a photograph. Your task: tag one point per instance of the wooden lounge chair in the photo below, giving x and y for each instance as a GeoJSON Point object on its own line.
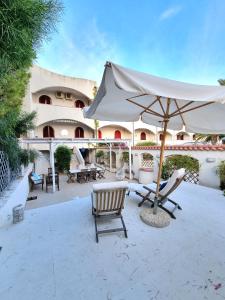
{"type": "Point", "coordinates": [107, 203]}
{"type": "Point", "coordinates": [173, 182]}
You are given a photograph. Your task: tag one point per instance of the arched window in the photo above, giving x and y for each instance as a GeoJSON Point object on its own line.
{"type": "Point", "coordinates": [194, 137]}
{"type": "Point", "coordinates": [79, 104]}
{"type": "Point", "coordinates": [143, 136]}
{"type": "Point", "coordinates": [79, 132]}
{"type": "Point", "coordinates": [117, 134]}
{"type": "Point", "coordinates": [180, 136]}
{"type": "Point", "coordinates": [44, 99]}
{"type": "Point", "coordinates": [48, 132]}
{"type": "Point", "coordinates": [161, 136]}
{"type": "Point", "coordinates": [99, 134]}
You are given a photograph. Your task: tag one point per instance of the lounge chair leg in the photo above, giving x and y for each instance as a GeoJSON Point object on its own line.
{"type": "Point", "coordinates": [145, 198]}
{"type": "Point", "coordinates": [169, 212]}
{"type": "Point", "coordinates": [124, 227]}
{"type": "Point", "coordinates": [96, 230]}
{"type": "Point", "coordinates": [175, 203]}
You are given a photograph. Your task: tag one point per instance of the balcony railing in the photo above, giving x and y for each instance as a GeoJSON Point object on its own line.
{"type": "Point", "coordinates": [47, 113]}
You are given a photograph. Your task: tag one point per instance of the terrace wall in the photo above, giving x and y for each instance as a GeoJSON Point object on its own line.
{"type": "Point", "coordinates": [16, 194]}
{"type": "Point", "coordinates": [208, 156]}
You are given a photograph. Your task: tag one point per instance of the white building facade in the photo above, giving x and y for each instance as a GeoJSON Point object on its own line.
{"type": "Point", "coordinates": [59, 100]}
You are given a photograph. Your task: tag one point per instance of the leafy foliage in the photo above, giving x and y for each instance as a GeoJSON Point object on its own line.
{"type": "Point", "coordinates": [179, 161]}
{"type": "Point", "coordinates": [209, 138]}
{"type": "Point", "coordinates": [27, 156]}
{"type": "Point", "coordinates": [24, 123]}
{"type": "Point", "coordinates": [24, 24]}
{"type": "Point", "coordinates": [221, 173]}
{"type": "Point", "coordinates": [99, 153]}
{"type": "Point", "coordinates": [12, 91]}
{"type": "Point", "coordinates": [147, 143]}
{"type": "Point", "coordinates": [147, 156]}
{"type": "Point", "coordinates": [125, 156]}
{"type": "Point", "coordinates": [9, 127]}
{"type": "Point", "coordinates": [63, 156]}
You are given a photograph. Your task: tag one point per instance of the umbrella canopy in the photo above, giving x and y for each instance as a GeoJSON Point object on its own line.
{"type": "Point", "coordinates": [128, 95]}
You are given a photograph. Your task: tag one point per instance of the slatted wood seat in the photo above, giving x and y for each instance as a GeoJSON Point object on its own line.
{"type": "Point", "coordinates": [107, 203]}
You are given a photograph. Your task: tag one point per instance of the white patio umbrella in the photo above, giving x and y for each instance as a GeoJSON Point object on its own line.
{"type": "Point", "coordinates": [128, 95]}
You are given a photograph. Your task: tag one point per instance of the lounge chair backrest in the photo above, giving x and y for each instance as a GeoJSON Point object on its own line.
{"type": "Point", "coordinates": [173, 182]}
{"type": "Point", "coordinates": [109, 197]}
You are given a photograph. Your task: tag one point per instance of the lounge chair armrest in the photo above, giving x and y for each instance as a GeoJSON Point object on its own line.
{"type": "Point", "coordinates": [150, 190]}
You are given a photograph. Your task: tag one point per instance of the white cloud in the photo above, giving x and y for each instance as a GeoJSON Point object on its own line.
{"type": "Point", "coordinates": [80, 52]}
{"type": "Point", "coordinates": [170, 12]}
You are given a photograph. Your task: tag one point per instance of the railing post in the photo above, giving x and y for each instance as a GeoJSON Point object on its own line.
{"type": "Point", "coordinates": [52, 162]}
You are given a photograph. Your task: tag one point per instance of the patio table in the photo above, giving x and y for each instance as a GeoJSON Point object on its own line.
{"type": "Point", "coordinates": [76, 171]}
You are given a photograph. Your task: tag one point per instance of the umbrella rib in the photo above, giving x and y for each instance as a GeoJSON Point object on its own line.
{"type": "Point", "coordinates": [180, 113]}
{"type": "Point", "coordinates": [182, 107]}
{"type": "Point", "coordinates": [138, 96]}
{"type": "Point", "coordinates": [194, 108]}
{"type": "Point", "coordinates": [161, 105]}
{"type": "Point", "coordinates": [146, 109]}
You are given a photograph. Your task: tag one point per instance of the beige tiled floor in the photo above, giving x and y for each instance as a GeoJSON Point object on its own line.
{"type": "Point", "coordinates": [67, 192]}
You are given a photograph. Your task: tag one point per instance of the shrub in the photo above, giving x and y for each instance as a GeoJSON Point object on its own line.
{"type": "Point", "coordinates": [27, 156]}
{"type": "Point", "coordinates": [146, 144]}
{"type": "Point", "coordinates": [179, 161]}
{"type": "Point", "coordinates": [221, 173]}
{"type": "Point", "coordinates": [63, 157]}
{"type": "Point", "coordinates": [99, 153]}
{"type": "Point", "coordinates": [147, 156]}
{"type": "Point", "coordinates": [125, 157]}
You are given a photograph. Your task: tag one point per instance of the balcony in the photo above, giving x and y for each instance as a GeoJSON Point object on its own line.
{"type": "Point", "coordinates": [47, 113]}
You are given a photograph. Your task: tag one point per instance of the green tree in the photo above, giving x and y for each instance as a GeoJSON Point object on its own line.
{"type": "Point", "coordinates": [24, 25]}
{"type": "Point", "coordinates": [63, 157]}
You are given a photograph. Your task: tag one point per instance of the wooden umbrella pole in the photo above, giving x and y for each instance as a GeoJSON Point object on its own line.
{"type": "Point", "coordinates": [165, 123]}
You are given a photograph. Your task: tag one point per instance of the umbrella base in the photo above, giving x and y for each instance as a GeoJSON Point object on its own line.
{"type": "Point", "coordinates": [161, 219]}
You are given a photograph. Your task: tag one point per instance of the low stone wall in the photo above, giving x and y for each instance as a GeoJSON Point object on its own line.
{"type": "Point", "coordinates": [16, 194]}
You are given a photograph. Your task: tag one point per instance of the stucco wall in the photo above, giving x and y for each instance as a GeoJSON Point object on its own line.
{"type": "Point", "coordinates": [42, 78]}
{"type": "Point", "coordinates": [60, 102]}
{"type": "Point", "coordinates": [109, 131]}
{"type": "Point", "coordinates": [17, 194]}
{"type": "Point", "coordinates": [207, 174]}
{"type": "Point", "coordinates": [88, 133]}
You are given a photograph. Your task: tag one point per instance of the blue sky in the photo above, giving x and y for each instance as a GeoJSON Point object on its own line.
{"type": "Point", "coordinates": [182, 40]}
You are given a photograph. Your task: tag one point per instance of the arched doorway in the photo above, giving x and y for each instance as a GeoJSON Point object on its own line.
{"type": "Point", "coordinates": [44, 99]}
{"type": "Point", "coordinates": [117, 134]}
{"type": "Point", "coordinates": [99, 134]}
{"type": "Point", "coordinates": [79, 132]}
{"type": "Point", "coordinates": [48, 132]}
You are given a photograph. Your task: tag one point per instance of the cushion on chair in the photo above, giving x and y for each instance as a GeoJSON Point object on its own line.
{"type": "Point", "coordinates": [36, 178]}
{"type": "Point", "coordinates": [177, 174]}
{"type": "Point", "coordinates": [110, 185]}
{"type": "Point", "coordinates": [162, 185]}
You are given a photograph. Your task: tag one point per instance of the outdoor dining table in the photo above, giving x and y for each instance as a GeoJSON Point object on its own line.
{"type": "Point", "coordinates": [74, 172]}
